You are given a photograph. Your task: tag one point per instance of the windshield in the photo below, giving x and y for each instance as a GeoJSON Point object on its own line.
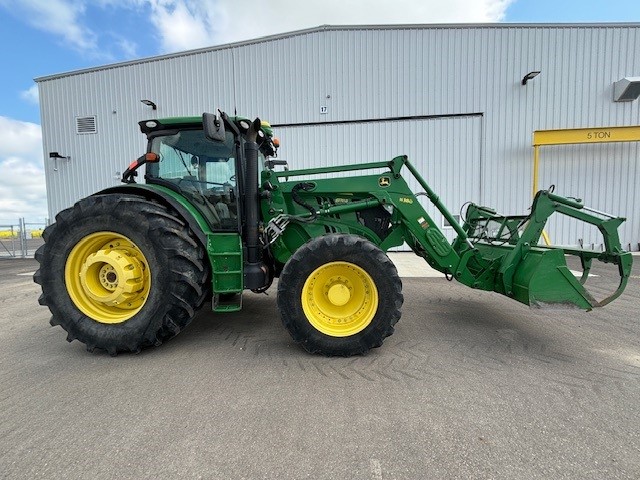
{"type": "Point", "coordinates": [204, 171]}
{"type": "Point", "coordinates": [189, 155]}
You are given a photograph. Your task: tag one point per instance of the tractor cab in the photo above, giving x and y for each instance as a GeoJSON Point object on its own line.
{"type": "Point", "coordinates": [207, 172]}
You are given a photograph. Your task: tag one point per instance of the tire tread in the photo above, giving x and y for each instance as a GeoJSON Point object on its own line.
{"type": "Point", "coordinates": [316, 252]}
{"type": "Point", "coordinates": [187, 272]}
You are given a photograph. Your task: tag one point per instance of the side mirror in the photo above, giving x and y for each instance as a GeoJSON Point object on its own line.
{"type": "Point", "coordinates": [213, 127]}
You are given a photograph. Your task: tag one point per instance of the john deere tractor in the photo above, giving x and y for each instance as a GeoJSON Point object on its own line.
{"type": "Point", "coordinates": [218, 214]}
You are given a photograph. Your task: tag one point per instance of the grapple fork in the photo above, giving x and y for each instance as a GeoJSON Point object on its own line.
{"type": "Point", "coordinates": [538, 275]}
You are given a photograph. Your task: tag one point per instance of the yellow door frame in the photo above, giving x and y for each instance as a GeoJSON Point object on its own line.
{"type": "Point", "coordinates": [573, 136]}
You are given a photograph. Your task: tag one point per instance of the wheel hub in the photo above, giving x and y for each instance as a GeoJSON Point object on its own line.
{"type": "Point", "coordinates": [339, 294]}
{"type": "Point", "coordinates": [107, 277]}
{"type": "Point", "coordinates": [112, 277]}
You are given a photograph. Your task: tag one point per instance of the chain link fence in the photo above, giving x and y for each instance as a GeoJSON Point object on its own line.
{"type": "Point", "coordinates": [21, 239]}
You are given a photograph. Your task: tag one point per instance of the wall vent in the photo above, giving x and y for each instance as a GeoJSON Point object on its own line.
{"type": "Point", "coordinates": [86, 125]}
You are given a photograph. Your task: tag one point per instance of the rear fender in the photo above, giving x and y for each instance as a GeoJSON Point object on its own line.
{"type": "Point", "coordinates": [197, 224]}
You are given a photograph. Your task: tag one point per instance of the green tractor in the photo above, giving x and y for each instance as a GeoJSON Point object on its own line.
{"type": "Point", "coordinates": [128, 267]}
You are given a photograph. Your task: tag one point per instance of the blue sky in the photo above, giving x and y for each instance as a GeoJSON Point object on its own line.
{"type": "Point", "coordinates": [43, 37]}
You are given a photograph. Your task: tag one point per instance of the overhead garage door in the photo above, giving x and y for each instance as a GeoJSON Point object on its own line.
{"type": "Point", "coordinates": [446, 150]}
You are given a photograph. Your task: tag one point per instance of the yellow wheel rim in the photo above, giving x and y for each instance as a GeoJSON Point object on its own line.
{"type": "Point", "coordinates": [107, 277]}
{"type": "Point", "coordinates": [339, 299]}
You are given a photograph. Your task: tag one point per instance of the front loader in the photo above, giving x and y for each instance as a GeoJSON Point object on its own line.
{"type": "Point", "coordinates": [127, 267]}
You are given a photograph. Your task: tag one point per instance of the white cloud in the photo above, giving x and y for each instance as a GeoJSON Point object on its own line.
{"type": "Point", "coordinates": [59, 17]}
{"type": "Point", "coordinates": [23, 139]}
{"type": "Point", "coordinates": [31, 94]}
{"type": "Point", "coordinates": [184, 25]}
{"type": "Point", "coordinates": [66, 19]}
{"type": "Point", "coordinates": [188, 24]}
{"type": "Point", "coordinates": [23, 195]}
{"type": "Point", "coordinates": [285, 15]}
{"type": "Point", "coordinates": [129, 48]}
{"type": "Point", "coordinates": [22, 181]}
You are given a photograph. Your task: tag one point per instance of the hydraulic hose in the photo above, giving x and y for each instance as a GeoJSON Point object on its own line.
{"type": "Point", "coordinates": [305, 186]}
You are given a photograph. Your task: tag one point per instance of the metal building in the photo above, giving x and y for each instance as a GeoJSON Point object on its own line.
{"type": "Point", "coordinates": [454, 98]}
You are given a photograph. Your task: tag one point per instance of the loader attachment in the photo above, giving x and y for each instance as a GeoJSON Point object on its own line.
{"type": "Point", "coordinates": [538, 275]}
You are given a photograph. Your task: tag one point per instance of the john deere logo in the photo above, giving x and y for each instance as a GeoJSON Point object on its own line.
{"type": "Point", "coordinates": [384, 181]}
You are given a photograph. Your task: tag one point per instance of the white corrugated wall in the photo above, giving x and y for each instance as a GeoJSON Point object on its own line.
{"type": "Point", "coordinates": [372, 73]}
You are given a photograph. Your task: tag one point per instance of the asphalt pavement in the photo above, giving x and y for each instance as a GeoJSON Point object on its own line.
{"type": "Point", "coordinates": [471, 385]}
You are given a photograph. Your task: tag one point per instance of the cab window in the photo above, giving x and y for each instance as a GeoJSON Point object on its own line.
{"type": "Point", "coordinates": [203, 171]}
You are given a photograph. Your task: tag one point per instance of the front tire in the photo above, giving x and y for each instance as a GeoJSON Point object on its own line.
{"type": "Point", "coordinates": [121, 273]}
{"type": "Point", "coordinates": [339, 295]}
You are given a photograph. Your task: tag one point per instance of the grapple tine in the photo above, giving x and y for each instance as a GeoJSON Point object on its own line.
{"type": "Point", "coordinates": [624, 267]}
{"type": "Point", "coordinates": [586, 267]}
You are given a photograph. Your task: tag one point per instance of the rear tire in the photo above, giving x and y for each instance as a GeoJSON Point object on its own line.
{"type": "Point", "coordinates": [101, 246]}
{"type": "Point", "coordinates": [339, 295]}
